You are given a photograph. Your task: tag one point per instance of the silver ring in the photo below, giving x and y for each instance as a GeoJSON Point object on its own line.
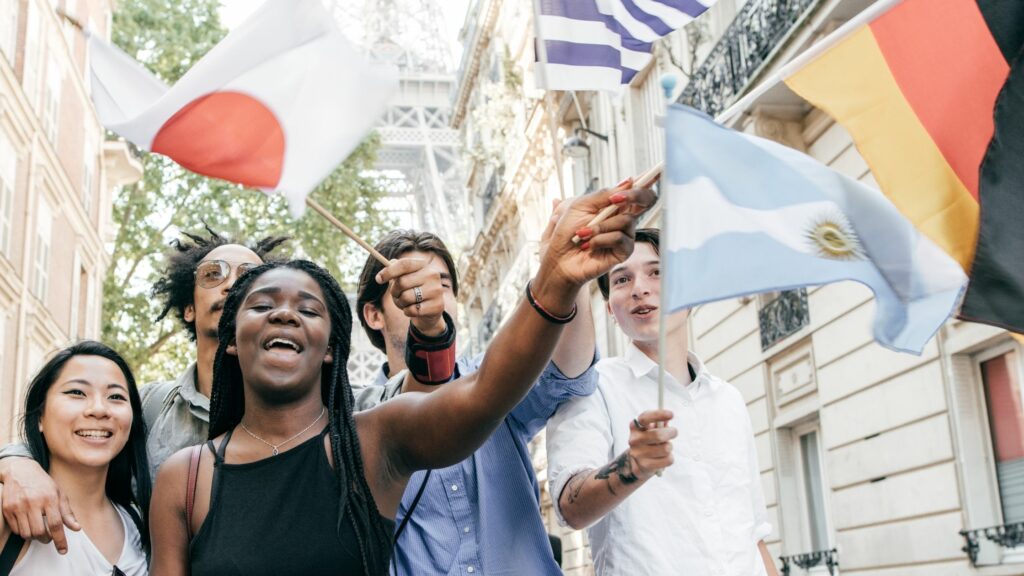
{"type": "Point", "coordinates": [639, 426]}
{"type": "Point", "coordinates": [419, 294]}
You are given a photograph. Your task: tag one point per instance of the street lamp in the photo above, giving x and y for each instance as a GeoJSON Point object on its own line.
{"type": "Point", "coordinates": [576, 145]}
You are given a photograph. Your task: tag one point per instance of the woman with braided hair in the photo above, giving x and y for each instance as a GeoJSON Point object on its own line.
{"type": "Point", "coordinates": [291, 481]}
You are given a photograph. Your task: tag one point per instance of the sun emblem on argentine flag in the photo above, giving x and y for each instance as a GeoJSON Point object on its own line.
{"type": "Point", "coordinates": [832, 236]}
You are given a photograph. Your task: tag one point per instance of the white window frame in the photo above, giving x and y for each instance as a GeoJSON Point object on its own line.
{"type": "Point", "coordinates": [9, 12]}
{"type": "Point", "coordinates": [793, 505]}
{"type": "Point", "coordinates": [51, 104]}
{"type": "Point", "coordinates": [43, 246]}
{"type": "Point", "coordinates": [89, 161]}
{"type": "Point", "coordinates": [8, 181]}
{"type": "Point", "coordinates": [33, 55]}
{"type": "Point", "coordinates": [798, 467]}
{"type": "Point", "coordinates": [976, 458]}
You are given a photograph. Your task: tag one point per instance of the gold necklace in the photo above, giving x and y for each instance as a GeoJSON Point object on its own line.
{"type": "Point", "coordinates": [275, 447]}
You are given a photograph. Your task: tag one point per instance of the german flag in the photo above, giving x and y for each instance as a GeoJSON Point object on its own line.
{"type": "Point", "coordinates": [932, 92]}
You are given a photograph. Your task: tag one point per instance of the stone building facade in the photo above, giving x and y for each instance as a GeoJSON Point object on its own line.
{"type": "Point", "coordinates": [57, 178]}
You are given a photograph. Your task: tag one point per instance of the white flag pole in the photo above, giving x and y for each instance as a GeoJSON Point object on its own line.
{"type": "Point", "coordinates": [542, 56]}
{"type": "Point", "coordinates": [668, 84]}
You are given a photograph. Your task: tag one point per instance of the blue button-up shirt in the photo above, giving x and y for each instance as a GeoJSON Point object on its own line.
{"type": "Point", "coordinates": [482, 515]}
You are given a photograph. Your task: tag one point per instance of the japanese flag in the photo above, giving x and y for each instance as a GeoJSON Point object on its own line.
{"type": "Point", "coordinates": [277, 104]}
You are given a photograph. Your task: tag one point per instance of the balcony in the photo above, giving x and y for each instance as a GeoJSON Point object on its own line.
{"type": "Point", "coordinates": [827, 558]}
{"type": "Point", "coordinates": [751, 40]}
{"type": "Point", "coordinates": [1007, 537]}
{"type": "Point", "coordinates": [783, 316]}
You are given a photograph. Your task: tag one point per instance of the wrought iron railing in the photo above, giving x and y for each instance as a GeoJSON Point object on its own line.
{"type": "Point", "coordinates": [1006, 536]}
{"type": "Point", "coordinates": [783, 316]}
{"type": "Point", "coordinates": [489, 193]}
{"type": "Point", "coordinates": [827, 558]}
{"type": "Point", "coordinates": [751, 39]}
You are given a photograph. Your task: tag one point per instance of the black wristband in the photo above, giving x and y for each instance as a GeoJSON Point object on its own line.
{"type": "Point", "coordinates": [543, 312]}
{"type": "Point", "coordinates": [431, 359]}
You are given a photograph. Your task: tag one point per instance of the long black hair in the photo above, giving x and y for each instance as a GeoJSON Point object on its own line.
{"type": "Point", "coordinates": [227, 406]}
{"type": "Point", "coordinates": [128, 482]}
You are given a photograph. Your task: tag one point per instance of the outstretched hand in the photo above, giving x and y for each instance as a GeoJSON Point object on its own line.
{"type": "Point", "coordinates": [602, 245]}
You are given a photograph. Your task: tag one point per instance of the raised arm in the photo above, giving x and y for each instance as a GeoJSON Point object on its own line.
{"type": "Point", "coordinates": [418, 431]}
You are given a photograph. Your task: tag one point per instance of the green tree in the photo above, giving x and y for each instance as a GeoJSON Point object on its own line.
{"type": "Point", "coordinates": [168, 37]}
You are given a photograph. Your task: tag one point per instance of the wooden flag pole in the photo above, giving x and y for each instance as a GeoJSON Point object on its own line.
{"type": "Point", "coordinates": [645, 180]}
{"type": "Point", "coordinates": [542, 57]}
{"type": "Point", "coordinates": [346, 230]}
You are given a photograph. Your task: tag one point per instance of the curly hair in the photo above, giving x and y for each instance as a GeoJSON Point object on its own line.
{"type": "Point", "coordinates": [177, 286]}
{"type": "Point", "coordinates": [394, 245]}
{"type": "Point", "coordinates": [227, 406]}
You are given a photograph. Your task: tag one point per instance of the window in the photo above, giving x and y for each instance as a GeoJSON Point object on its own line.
{"type": "Point", "coordinates": [70, 32]}
{"type": "Point", "coordinates": [1000, 377]}
{"type": "Point", "coordinates": [41, 263]}
{"type": "Point", "coordinates": [51, 107]}
{"type": "Point", "coordinates": [8, 173]}
{"type": "Point", "coordinates": [814, 498]}
{"type": "Point", "coordinates": [8, 28]}
{"type": "Point", "coordinates": [88, 170]}
{"type": "Point", "coordinates": [989, 417]}
{"type": "Point", "coordinates": [803, 507]}
{"type": "Point", "coordinates": [33, 34]}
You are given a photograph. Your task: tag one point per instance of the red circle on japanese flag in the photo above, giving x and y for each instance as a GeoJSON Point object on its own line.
{"type": "Point", "coordinates": [226, 135]}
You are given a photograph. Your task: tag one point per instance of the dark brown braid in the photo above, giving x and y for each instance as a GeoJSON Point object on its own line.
{"type": "Point", "coordinates": [227, 406]}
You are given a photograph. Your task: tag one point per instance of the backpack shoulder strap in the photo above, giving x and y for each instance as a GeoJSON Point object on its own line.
{"type": "Point", "coordinates": [190, 494]}
{"type": "Point", "coordinates": [153, 402]}
{"type": "Point", "coordinates": [9, 555]}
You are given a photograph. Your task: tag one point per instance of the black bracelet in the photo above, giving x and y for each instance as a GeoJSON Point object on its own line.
{"type": "Point", "coordinates": [543, 312]}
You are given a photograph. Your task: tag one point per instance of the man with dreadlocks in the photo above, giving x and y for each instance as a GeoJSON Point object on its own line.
{"type": "Point", "coordinates": [445, 525]}
{"type": "Point", "coordinates": [201, 269]}
{"type": "Point", "coordinates": [283, 437]}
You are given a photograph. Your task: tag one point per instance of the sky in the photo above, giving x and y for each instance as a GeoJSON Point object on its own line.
{"type": "Point", "coordinates": [233, 12]}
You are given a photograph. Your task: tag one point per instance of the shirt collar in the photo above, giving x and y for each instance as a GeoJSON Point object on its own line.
{"type": "Point", "coordinates": [187, 388]}
{"type": "Point", "coordinates": [641, 365]}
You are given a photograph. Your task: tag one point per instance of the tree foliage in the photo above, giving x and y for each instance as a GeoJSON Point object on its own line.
{"type": "Point", "coordinates": [168, 37]}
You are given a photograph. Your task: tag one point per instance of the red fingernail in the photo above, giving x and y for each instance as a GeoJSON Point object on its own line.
{"type": "Point", "coordinates": [585, 246]}
{"type": "Point", "coordinates": [585, 232]}
{"type": "Point", "coordinates": [617, 198]}
{"type": "Point", "coordinates": [627, 183]}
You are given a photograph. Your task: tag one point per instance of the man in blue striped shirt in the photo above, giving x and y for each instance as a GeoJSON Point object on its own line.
{"type": "Point", "coordinates": [481, 516]}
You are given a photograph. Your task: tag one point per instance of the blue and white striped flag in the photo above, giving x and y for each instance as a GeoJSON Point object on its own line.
{"type": "Point", "coordinates": [746, 215]}
{"type": "Point", "coordinates": [602, 44]}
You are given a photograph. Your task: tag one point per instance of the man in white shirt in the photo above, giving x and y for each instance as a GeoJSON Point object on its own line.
{"type": "Point", "coordinates": [706, 515]}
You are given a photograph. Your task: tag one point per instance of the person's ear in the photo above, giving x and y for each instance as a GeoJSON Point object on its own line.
{"type": "Point", "coordinates": [231, 349]}
{"type": "Point", "coordinates": [374, 316]}
{"type": "Point", "coordinates": [190, 313]}
{"type": "Point", "coordinates": [608, 309]}
{"type": "Point", "coordinates": [329, 356]}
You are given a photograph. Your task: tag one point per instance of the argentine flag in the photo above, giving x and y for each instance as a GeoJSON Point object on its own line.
{"type": "Point", "coordinates": [746, 215]}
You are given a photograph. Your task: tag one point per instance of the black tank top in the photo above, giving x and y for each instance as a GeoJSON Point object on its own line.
{"type": "Point", "coordinates": [275, 516]}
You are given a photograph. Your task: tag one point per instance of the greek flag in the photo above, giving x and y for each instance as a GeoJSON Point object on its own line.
{"type": "Point", "coordinates": [602, 44]}
{"type": "Point", "coordinates": [745, 215]}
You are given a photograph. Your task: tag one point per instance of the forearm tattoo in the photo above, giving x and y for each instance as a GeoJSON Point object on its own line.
{"type": "Point", "coordinates": [622, 467]}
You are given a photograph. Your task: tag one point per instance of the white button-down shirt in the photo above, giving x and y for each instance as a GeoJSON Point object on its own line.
{"type": "Point", "coordinates": [706, 514]}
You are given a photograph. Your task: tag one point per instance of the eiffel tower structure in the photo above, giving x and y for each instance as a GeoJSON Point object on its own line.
{"type": "Point", "coordinates": [419, 156]}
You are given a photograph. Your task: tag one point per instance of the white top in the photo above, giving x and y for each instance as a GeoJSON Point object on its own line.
{"type": "Point", "coordinates": [706, 515]}
{"type": "Point", "coordinates": [83, 558]}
